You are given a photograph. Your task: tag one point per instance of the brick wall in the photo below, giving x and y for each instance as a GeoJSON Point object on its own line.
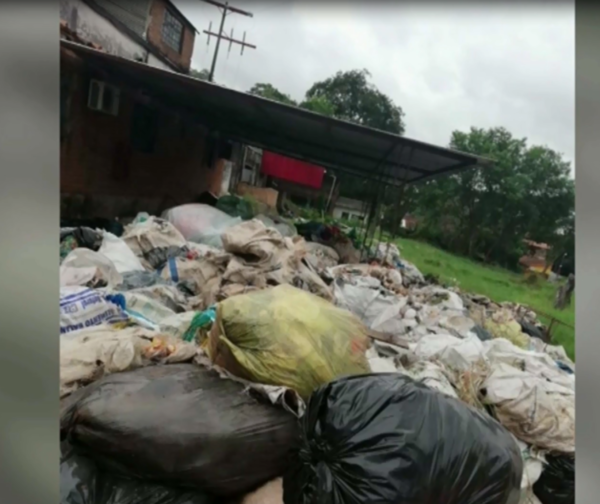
{"type": "Point", "coordinates": [157, 14]}
{"type": "Point", "coordinates": [103, 176]}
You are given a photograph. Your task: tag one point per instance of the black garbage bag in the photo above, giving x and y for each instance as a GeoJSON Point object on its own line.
{"type": "Point", "coordinates": [81, 482]}
{"type": "Point", "coordinates": [180, 425]}
{"type": "Point", "coordinates": [556, 484]}
{"type": "Point", "coordinates": [386, 439]}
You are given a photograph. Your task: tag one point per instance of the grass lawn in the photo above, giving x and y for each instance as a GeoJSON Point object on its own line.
{"type": "Point", "coordinates": [496, 283]}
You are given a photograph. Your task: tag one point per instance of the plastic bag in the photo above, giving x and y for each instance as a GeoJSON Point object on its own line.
{"type": "Point", "coordinates": [289, 337]}
{"type": "Point", "coordinates": [556, 484]}
{"type": "Point", "coordinates": [81, 308]}
{"type": "Point", "coordinates": [201, 223]}
{"type": "Point", "coordinates": [119, 253]}
{"type": "Point", "coordinates": [81, 482]}
{"type": "Point", "coordinates": [181, 425]}
{"type": "Point", "coordinates": [385, 439]}
{"type": "Point", "coordinates": [86, 259]}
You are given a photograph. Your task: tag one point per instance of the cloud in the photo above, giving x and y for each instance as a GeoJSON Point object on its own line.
{"type": "Point", "coordinates": [448, 67]}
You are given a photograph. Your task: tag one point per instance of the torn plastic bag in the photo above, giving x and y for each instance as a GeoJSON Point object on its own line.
{"type": "Point", "coordinates": [181, 425]}
{"type": "Point", "coordinates": [200, 223]}
{"type": "Point", "coordinates": [81, 482]}
{"type": "Point", "coordinates": [386, 439]}
{"type": "Point", "coordinates": [286, 336]}
{"type": "Point", "coordinates": [556, 485]}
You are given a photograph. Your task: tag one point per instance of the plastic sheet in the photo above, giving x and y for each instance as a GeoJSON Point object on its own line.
{"type": "Point", "coordinates": [386, 439]}
{"type": "Point", "coordinates": [182, 425]}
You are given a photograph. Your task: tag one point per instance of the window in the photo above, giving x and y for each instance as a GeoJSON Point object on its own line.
{"type": "Point", "coordinates": [103, 97]}
{"type": "Point", "coordinates": [345, 216]}
{"type": "Point", "coordinates": [172, 31]}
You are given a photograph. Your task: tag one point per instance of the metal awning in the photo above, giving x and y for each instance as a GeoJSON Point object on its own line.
{"type": "Point", "coordinates": [285, 129]}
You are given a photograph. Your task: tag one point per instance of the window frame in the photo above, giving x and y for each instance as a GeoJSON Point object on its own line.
{"type": "Point", "coordinates": [168, 24]}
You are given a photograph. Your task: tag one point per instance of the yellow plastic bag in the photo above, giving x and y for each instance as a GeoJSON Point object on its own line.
{"type": "Point", "coordinates": [503, 325]}
{"type": "Point", "coordinates": [287, 337]}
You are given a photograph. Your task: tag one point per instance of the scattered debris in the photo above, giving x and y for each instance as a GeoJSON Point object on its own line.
{"type": "Point", "coordinates": [171, 330]}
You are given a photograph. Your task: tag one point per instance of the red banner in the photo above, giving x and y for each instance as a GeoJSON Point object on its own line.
{"type": "Point", "coordinates": [292, 170]}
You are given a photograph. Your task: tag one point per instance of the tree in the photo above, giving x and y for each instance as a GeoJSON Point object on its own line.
{"type": "Point", "coordinates": [320, 105]}
{"type": "Point", "coordinates": [485, 213]}
{"type": "Point", "coordinates": [270, 92]}
{"type": "Point", "coordinates": [354, 99]}
{"type": "Point", "coordinates": [199, 74]}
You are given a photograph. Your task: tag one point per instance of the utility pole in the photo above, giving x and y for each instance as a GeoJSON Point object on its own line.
{"type": "Point", "coordinates": [226, 9]}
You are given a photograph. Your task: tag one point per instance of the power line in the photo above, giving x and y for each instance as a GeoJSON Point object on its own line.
{"type": "Point", "coordinates": [226, 8]}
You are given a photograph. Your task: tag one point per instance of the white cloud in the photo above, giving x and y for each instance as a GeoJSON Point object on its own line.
{"type": "Point", "coordinates": [447, 67]}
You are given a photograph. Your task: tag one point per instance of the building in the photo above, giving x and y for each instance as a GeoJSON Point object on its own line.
{"type": "Point", "coordinates": [150, 31]}
{"type": "Point", "coordinates": [350, 209]}
{"type": "Point", "coordinates": [135, 137]}
{"type": "Point", "coordinates": [123, 150]}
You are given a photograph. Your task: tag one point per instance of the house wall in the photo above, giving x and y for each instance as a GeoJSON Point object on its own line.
{"type": "Point", "coordinates": [93, 27]}
{"type": "Point", "coordinates": [157, 14]}
{"type": "Point", "coordinates": [102, 175]}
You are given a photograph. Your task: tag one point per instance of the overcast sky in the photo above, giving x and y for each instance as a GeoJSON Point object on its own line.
{"type": "Point", "coordinates": [448, 67]}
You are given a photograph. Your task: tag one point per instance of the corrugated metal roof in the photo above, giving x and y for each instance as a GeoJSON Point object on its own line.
{"type": "Point", "coordinates": [289, 130]}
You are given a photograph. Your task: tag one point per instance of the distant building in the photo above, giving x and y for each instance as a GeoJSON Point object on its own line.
{"type": "Point", "coordinates": [150, 31]}
{"type": "Point", "coordinates": [409, 222]}
{"type": "Point", "coordinates": [350, 209]}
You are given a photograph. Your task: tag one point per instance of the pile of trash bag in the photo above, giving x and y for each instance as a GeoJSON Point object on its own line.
{"type": "Point", "coordinates": [206, 357]}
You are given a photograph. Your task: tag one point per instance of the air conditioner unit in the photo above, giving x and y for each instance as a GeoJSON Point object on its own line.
{"type": "Point", "coordinates": [103, 97]}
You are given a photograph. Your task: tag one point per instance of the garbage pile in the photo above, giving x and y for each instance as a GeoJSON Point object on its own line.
{"type": "Point", "coordinates": [208, 358]}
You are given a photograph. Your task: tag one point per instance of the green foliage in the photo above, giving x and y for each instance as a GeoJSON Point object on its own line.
{"type": "Point", "coordinates": [356, 100]}
{"type": "Point", "coordinates": [319, 105]}
{"type": "Point", "coordinates": [270, 92]}
{"type": "Point", "coordinates": [486, 213]}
